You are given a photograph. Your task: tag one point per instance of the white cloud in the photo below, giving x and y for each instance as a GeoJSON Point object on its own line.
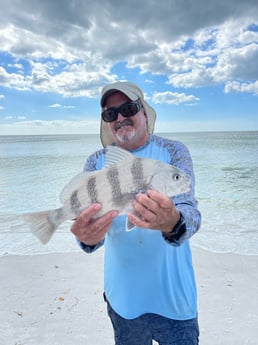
{"type": "Point", "coordinates": [40, 127]}
{"type": "Point", "coordinates": [236, 86]}
{"type": "Point", "coordinates": [173, 98]}
{"type": "Point", "coordinates": [198, 76]}
{"type": "Point", "coordinates": [2, 96]}
{"type": "Point", "coordinates": [92, 126]}
{"type": "Point", "coordinates": [74, 81]}
{"type": "Point", "coordinates": [209, 56]}
{"type": "Point", "coordinates": [56, 105]}
{"type": "Point", "coordinates": [71, 49]}
{"type": "Point", "coordinates": [17, 66]}
{"type": "Point", "coordinates": [13, 80]}
{"type": "Point", "coordinates": [1, 107]}
{"type": "Point", "coordinates": [204, 126]}
{"type": "Point", "coordinates": [237, 63]}
{"type": "Point", "coordinates": [15, 118]}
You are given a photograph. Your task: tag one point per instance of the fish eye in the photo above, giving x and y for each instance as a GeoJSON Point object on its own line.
{"type": "Point", "coordinates": [177, 177]}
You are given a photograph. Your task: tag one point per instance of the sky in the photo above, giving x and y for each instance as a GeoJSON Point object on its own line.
{"type": "Point", "coordinates": [196, 62]}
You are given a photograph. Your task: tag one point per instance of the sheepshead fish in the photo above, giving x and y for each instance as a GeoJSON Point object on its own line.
{"type": "Point", "coordinates": [115, 186]}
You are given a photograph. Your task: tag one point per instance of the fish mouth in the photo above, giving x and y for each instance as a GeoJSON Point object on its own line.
{"type": "Point", "coordinates": [124, 123]}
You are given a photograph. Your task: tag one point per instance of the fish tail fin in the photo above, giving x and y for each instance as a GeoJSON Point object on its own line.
{"type": "Point", "coordinates": [43, 224]}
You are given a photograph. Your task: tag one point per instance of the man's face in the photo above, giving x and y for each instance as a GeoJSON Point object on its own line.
{"type": "Point", "coordinates": [128, 132]}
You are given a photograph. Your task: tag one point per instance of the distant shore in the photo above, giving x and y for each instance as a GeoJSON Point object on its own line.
{"type": "Point", "coordinates": [57, 299]}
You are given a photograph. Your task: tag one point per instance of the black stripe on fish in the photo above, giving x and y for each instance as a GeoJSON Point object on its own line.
{"type": "Point", "coordinates": [137, 172]}
{"type": "Point", "coordinates": [92, 189]}
{"type": "Point", "coordinates": [113, 179]}
{"type": "Point", "coordinates": [124, 199]}
{"type": "Point", "coordinates": [75, 202]}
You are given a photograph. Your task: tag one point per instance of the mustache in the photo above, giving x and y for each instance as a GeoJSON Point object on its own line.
{"type": "Point", "coordinates": [126, 122]}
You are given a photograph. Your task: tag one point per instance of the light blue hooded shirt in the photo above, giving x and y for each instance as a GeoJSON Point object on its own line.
{"type": "Point", "coordinates": [143, 273]}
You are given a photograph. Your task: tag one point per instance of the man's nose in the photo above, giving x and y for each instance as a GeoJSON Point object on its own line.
{"type": "Point", "coordinates": [120, 117]}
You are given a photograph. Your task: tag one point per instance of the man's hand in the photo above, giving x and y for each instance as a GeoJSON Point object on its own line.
{"type": "Point", "coordinates": [156, 211]}
{"type": "Point", "coordinates": [90, 230]}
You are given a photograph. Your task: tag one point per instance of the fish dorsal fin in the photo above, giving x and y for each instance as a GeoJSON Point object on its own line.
{"type": "Point", "coordinates": [74, 184]}
{"type": "Point", "coordinates": [116, 155]}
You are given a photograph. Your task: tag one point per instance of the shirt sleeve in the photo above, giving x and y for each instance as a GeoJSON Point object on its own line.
{"type": "Point", "coordinates": [186, 202]}
{"type": "Point", "coordinates": [90, 249]}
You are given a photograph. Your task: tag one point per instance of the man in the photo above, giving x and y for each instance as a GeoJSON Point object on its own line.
{"type": "Point", "coordinates": [149, 279]}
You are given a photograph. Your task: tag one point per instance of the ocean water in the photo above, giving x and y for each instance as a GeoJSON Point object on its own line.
{"type": "Point", "coordinates": [34, 169]}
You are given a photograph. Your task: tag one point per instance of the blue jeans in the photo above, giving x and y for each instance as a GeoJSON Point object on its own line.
{"type": "Point", "coordinates": [145, 328]}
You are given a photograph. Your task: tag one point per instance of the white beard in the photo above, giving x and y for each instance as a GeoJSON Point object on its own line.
{"type": "Point", "coordinates": [123, 138]}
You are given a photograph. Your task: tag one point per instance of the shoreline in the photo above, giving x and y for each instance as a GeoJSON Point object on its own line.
{"type": "Point", "coordinates": [57, 299]}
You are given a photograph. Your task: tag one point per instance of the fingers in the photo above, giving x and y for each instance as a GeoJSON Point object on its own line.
{"type": "Point", "coordinates": [162, 200]}
{"type": "Point", "coordinates": [89, 212]}
{"type": "Point", "coordinates": [90, 229]}
{"type": "Point", "coordinates": [155, 211]}
{"type": "Point", "coordinates": [151, 204]}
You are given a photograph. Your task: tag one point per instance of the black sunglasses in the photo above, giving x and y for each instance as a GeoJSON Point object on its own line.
{"type": "Point", "coordinates": [127, 109]}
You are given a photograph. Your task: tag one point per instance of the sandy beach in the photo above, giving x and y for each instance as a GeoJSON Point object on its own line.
{"type": "Point", "coordinates": [56, 299]}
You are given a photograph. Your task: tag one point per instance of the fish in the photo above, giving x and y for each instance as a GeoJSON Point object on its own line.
{"type": "Point", "coordinates": [115, 186]}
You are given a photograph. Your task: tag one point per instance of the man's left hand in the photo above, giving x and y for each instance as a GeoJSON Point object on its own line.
{"type": "Point", "coordinates": [154, 211]}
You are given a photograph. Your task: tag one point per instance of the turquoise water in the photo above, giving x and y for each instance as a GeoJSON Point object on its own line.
{"type": "Point", "coordinates": [34, 169]}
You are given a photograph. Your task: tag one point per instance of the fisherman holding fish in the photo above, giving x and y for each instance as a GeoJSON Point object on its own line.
{"type": "Point", "coordinates": [149, 279]}
{"type": "Point", "coordinates": [136, 197]}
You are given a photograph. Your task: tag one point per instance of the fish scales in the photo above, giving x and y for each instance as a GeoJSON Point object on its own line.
{"type": "Point", "coordinates": [75, 202]}
{"type": "Point", "coordinates": [130, 180]}
{"type": "Point", "coordinates": [124, 190]}
{"type": "Point", "coordinates": [92, 189]}
{"type": "Point", "coordinates": [102, 187]}
{"type": "Point", "coordinates": [114, 181]}
{"type": "Point", "coordinates": [137, 172]}
{"type": "Point", "coordinates": [115, 186]}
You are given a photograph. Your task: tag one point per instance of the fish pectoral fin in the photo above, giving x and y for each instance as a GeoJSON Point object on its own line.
{"type": "Point", "coordinates": [129, 226]}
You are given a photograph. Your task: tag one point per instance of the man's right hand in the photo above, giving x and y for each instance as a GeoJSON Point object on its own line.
{"type": "Point", "coordinates": [90, 230]}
